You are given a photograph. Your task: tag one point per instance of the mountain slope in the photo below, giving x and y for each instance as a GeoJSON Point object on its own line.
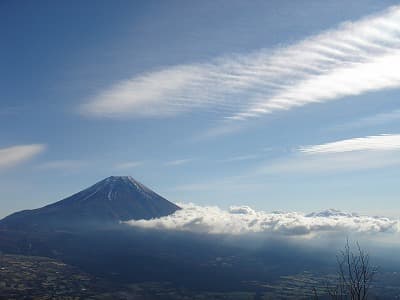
{"type": "Point", "coordinates": [114, 199]}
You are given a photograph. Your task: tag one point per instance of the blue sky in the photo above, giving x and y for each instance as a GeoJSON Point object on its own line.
{"type": "Point", "coordinates": [279, 105]}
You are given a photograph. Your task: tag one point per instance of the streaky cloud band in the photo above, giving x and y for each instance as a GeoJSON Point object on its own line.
{"type": "Point", "coordinates": [355, 58]}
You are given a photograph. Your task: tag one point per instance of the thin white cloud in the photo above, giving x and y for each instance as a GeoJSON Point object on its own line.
{"type": "Point", "coordinates": [11, 110]}
{"type": "Point", "coordinates": [384, 142]}
{"type": "Point", "coordinates": [12, 156]}
{"type": "Point", "coordinates": [66, 165]}
{"type": "Point", "coordinates": [244, 220]}
{"type": "Point", "coordinates": [349, 155]}
{"type": "Point", "coordinates": [355, 58]}
{"type": "Point", "coordinates": [363, 153]}
{"type": "Point", "coordinates": [128, 165]}
{"type": "Point", "coordinates": [378, 119]}
{"type": "Point", "coordinates": [230, 184]}
{"type": "Point", "coordinates": [178, 162]}
{"type": "Point", "coordinates": [240, 158]}
{"type": "Point", "coordinates": [332, 162]}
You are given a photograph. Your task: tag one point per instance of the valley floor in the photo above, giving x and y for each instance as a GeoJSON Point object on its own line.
{"type": "Point", "coordinates": [32, 277]}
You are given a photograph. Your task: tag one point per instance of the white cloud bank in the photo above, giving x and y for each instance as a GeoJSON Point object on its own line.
{"type": "Point", "coordinates": [352, 59]}
{"type": "Point", "coordinates": [12, 156]}
{"type": "Point", "coordinates": [244, 220]}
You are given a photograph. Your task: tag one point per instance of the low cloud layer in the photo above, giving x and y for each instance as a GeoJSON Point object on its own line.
{"type": "Point", "coordinates": [244, 220]}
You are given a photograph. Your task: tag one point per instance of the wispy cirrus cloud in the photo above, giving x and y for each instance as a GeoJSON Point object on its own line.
{"type": "Point", "coordinates": [377, 119]}
{"type": "Point", "coordinates": [178, 162]}
{"type": "Point", "coordinates": [347, 155]}
{"type": "Point", "coordinates": [352, 59]}
{"type": "Point", "coordinates": [128, 165]}
{"type": "Point", "coordinates": [15, 155]}
{"type": "Point", "coordinates": [11, 110]}
{"type": "Point", "coordinates": [240, 158]}
{"type": "Point", "coordinates": [332, 162]}
{"type": "Point", "coordinates": [232, 183]}
{"type": "Point", "coordinates": [384, 142]}
{"type": "Point", "coordinates": [64, 165]}
{"type": "Point", "coordinates": [361, 153]}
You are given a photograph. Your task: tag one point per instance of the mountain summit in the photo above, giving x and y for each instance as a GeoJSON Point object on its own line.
{"type": "Point", "coordinates": [114, 199]}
